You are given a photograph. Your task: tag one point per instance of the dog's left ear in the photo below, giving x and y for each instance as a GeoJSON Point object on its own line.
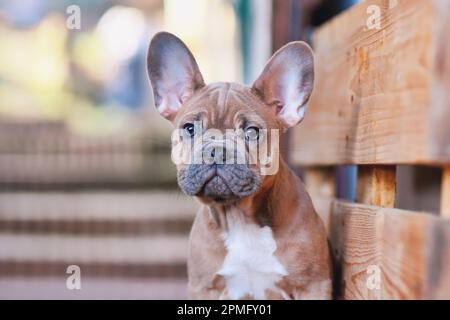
{"type": "Point", "coordinates": [287, 82]}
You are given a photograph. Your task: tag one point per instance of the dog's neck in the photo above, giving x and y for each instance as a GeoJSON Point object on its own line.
{"type": "Point", "coordinates": [270, 206]}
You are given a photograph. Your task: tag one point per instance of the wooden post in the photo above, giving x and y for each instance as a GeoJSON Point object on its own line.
{"type": "Point", "coordinates": [445, 193]}
{"type": "Point", "coordinates": [320, 181]}
{"type": "Point", "coordinates": [376, 186]}
{"type": "Point", "coordinates": [321, 185]}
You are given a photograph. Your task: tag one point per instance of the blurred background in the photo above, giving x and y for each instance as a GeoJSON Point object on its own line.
{"type": "Point", "coordinates": [85, 172]}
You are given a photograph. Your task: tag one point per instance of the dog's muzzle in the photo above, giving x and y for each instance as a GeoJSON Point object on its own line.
{"type": "Point", "coordinates": [218, 181]}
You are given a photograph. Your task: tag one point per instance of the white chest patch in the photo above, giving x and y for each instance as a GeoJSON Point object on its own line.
{"type": "Point", "coordinates": [250, 266]}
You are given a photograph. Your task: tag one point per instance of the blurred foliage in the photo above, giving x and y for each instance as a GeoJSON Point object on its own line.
{"type": "Point", "coordinates": [94, 79]}
{"type": "Point", "coordinates": [43, 77]}
{"type": "Point", "coordinates": [35, 65]}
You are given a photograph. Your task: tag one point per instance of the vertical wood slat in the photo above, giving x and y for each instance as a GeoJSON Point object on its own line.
{"type": "Point", "coordinates": [445, 193]}
{"type": "Point", "coordinates": [321, 181]}
{"type": "Point", "coordinates": [376, 186]}
{"type": "Point", "coordinates": [321, 185]}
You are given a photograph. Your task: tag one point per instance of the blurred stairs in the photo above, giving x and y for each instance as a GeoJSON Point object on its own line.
{"type": "Point", "coordinates": [95, 204]}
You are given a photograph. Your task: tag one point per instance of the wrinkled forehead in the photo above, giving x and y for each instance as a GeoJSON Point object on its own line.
{"type": "Point", "coordinates": [226, 106]}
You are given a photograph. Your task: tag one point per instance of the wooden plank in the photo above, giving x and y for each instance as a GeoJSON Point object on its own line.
{"type": "Point", "coordinates": [445, 193]}
{"type": "Point", "coordinates": [439, 262]}
{"type": "Point", "coordinates": [376, 185]}
{"type": "Point", "coordinates": [440, 113]}
{"type": "Point", "coordinates": [372, 103]}
{"type": "Point", "coordinates": [367, 240]}
{"type": "Point", "coordinates": [396, 245]}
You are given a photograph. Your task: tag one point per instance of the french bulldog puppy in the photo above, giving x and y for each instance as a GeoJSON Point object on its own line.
{"type": "Point", "coordinates": [256, 235]}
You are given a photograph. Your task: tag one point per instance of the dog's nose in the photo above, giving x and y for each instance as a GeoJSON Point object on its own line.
{"type": "Point", "coordinates": [219, 155]}
{"type": "Point", "coordinates": [215, 154]}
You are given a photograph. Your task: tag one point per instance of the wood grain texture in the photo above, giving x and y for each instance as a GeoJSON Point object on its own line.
{"type": "Point", "coordinates": [372, 102]}
{"type": "Point", "coordinates": [439, 132]}
{"type": "Point", "coordinates": [439, 262]}
{"type": "Point", "coordinates": [403, 245]}
{"type": "Point", "coordinates": [376, 185]}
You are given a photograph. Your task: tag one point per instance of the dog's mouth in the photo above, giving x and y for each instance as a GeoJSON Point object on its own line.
{"type": "Point", "coordinates": [216, 188]}
{"type": "Point", "coordinates": [218, 182]}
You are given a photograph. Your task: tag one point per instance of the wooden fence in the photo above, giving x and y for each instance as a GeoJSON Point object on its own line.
{"type": "Point", "coordinates": [382, 98]}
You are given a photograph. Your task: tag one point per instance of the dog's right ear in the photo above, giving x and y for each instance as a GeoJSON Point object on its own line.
{"type": "Point", "coordinates": [173, 72]}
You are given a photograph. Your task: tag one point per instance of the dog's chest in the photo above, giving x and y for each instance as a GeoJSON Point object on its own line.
{"type": "Point", "coordinates": [250, 266]}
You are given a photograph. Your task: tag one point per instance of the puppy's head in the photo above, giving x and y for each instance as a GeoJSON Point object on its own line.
{"type": "Point", "coordinates": [225, 142]}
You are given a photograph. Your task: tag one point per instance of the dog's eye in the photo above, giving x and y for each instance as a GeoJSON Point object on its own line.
{"type": "Point", "coordinates": [252, 133]}
{"type": "Point", "coordinates": [189, 129]}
